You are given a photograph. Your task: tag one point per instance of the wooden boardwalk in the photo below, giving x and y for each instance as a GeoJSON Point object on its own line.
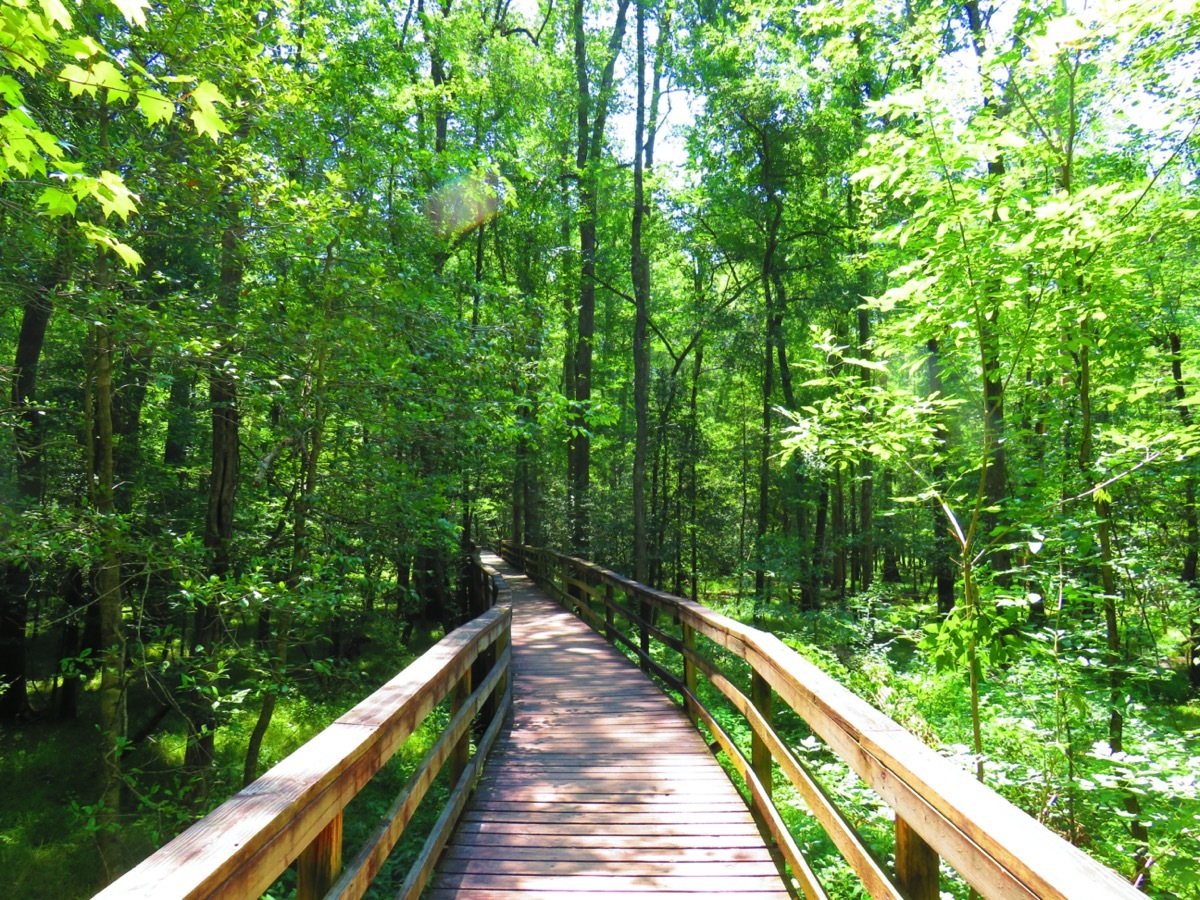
{"type": "Point", "coordinates": [600, 785]}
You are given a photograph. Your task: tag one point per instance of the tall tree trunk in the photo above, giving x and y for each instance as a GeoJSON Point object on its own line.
{"type": "Point", "coordinates": [693, 454]}
{"type": "Point", "coordinates": [591, 116]}
{"type": "Point", "coordinates": [1108, 584]}
{"type": "Point", "coordinates": [222, 491]}
{"type": "Point", "coordinates": [1192, 541]}
{"type": "Point", "coordinates": [996, 477]}
{"type": "Point", "coordinates": [15, 581]}
{"type": "Point", "coordinates": [866, 468]}
{"type": "Point", "coordinates": [811, 595]}
{"type": "Point", "coordinates": [943, 564]}
{"type": "Point", "coordinates": [112, 637]}
{"type": "Point", "coordinates": [640, 273]}
{"type": "Point", "coordinates": [180, 420]}
{"type": "Point", "coordinates": [774, 321]}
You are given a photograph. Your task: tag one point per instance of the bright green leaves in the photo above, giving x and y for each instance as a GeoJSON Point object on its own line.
{"type": "Point", "coordinates": [205, 116]}
{"type": "Point", "coordinates": [133, 10]}
{"type": "Point", "coordinates": [56, 12]}
{"type": "Point", "coordinates": [154, 106]}
{"type": "Point", "coordinates": [102, 237]}
{"type": "Point", "coordinates": [39, 45]}
{"type": "Point", "coordinates": [25, 147]}
{"type": "Point", "coordinates": [58, 202]}
{"type": "Point", "coordinates": [101, 74]}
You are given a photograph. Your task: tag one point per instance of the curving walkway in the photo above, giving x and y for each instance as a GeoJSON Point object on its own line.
{"type": "Point", "coordinates": [600, 785]}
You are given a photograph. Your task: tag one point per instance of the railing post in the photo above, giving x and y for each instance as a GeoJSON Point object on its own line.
{"type": "Point", "coordinates": [689, 671]}
{"type": "Point", "coordinates": [609, 602]}
{"type": "Point", "coordinates": [916, 864]}
{"type": "Point", "coordinates": [492, 704]}
{"type": "Point", "coordinates": [320, 863]}
{"type": "Point", "coordinates": [460, 757]}
{"type": "Point", "coordinates": [760, 754]}
{"type": "Point", "coordinates": [644, 633]}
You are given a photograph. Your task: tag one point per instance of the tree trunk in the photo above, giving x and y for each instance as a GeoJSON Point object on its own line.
{"type": "Point", "coordinates": [866, 468]}
{"type": "Point", "coordinates": [1192, 542]}
{"type": "Point", "coordinates": [943, 564]}
{"type": "Point", "coordinates": [1108, 584]}
{"type": "Point", "coordinates": [222, 493]}
{"type": "Point", "coordinates": [591, 116]}
{"type": "Point", "coordinates": [693, 454]}
{"type": "Point", "coordinates": [112, 637]}
{"type": "Point", "coordinates": [640, 273]}
{"type": "Point", "coordinates": [15, 581]}
{"type": "Point", "coordinates": [181, 418]}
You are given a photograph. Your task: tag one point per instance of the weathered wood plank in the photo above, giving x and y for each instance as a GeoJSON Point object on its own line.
{"type": "Point", "coordinates": [705, 885]}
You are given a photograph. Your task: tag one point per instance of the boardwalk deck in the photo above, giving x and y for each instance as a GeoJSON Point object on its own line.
{"type": "Point", "coordinates": [601, 785]}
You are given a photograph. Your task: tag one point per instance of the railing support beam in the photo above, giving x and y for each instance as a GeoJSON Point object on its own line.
{"type": "Point", "coordinates": [609, 619]}
{"type": "Point", "coordinates": [321, 862]}
{"type": "Point", "coordinates": [645, 612]}
{"type": "Point", "coordinates": [916, 864]}
{"type": "Point", "coordinates": [760, 753]}
{"type": "Point", "coordinates": [460, 758]}
{"type": "Point", "coordinates": [689, 672]}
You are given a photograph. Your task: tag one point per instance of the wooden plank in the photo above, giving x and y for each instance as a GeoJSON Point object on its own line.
{"type": "Point", "coordinates": [633, 806]}
{"type": "Point", "coordinates": [466, 893]}
{"type": "Point", "coordinates": [738, 885]}
{"type": "Point", "coordinates": [624, 867]}
{"type": "Point", "coordinates": [638, 853]}
{"type": "Point", "coordinates": [509, 834]}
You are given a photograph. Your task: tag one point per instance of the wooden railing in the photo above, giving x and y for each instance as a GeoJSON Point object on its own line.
{"type": "Point", "coordinates": [940, 811]}
{"type": "Point", "coordinates": [294, 812]}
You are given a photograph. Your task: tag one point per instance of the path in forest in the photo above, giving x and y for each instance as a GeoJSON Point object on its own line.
{"type": "Point", "coordinates": [600, 783]}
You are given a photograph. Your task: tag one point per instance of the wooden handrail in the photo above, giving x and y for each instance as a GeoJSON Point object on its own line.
{"type": "Point", "coordinates": [294, 811]}
{"type": "Point", "coordinates": [940, 809]}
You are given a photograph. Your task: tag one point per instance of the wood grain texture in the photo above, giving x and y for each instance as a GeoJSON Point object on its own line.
{"type": "Point", "coordinates": [601, 785]}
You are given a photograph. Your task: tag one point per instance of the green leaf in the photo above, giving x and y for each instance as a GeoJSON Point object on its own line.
{"type": "Point", "coordinates": [155, 107]}
{"type": "Point", "coordinates": [112, 195]}
{"type": "Point", "coordinates": [102, 237]}
{"type": "Point", "coordinates": [56, 12]}
{"type": "Point", "coordinates": [58, 202]}
{"type": "Point", "coordinates": [82, 47]}
{"type": "Point", "coordinates": [133, 10]}
{"type": "Point", "coordinates": [76, 79]}
{"type": "Point", "coordinates": [10, 90]}
{"type": "Point", "coordinates": [205, 116]}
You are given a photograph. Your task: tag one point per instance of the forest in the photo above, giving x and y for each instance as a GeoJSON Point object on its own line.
{"type": "Point", "coordinates": [874, 323]}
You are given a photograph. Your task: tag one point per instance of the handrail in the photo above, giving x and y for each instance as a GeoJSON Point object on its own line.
{"type": "Point", "coordinates": [294, 811]}
{"type": "Point", "coordinates": [940, 810]}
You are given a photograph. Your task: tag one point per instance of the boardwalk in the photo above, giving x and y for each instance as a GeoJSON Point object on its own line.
{"type": "Point", "coordinates": [601, 785]}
